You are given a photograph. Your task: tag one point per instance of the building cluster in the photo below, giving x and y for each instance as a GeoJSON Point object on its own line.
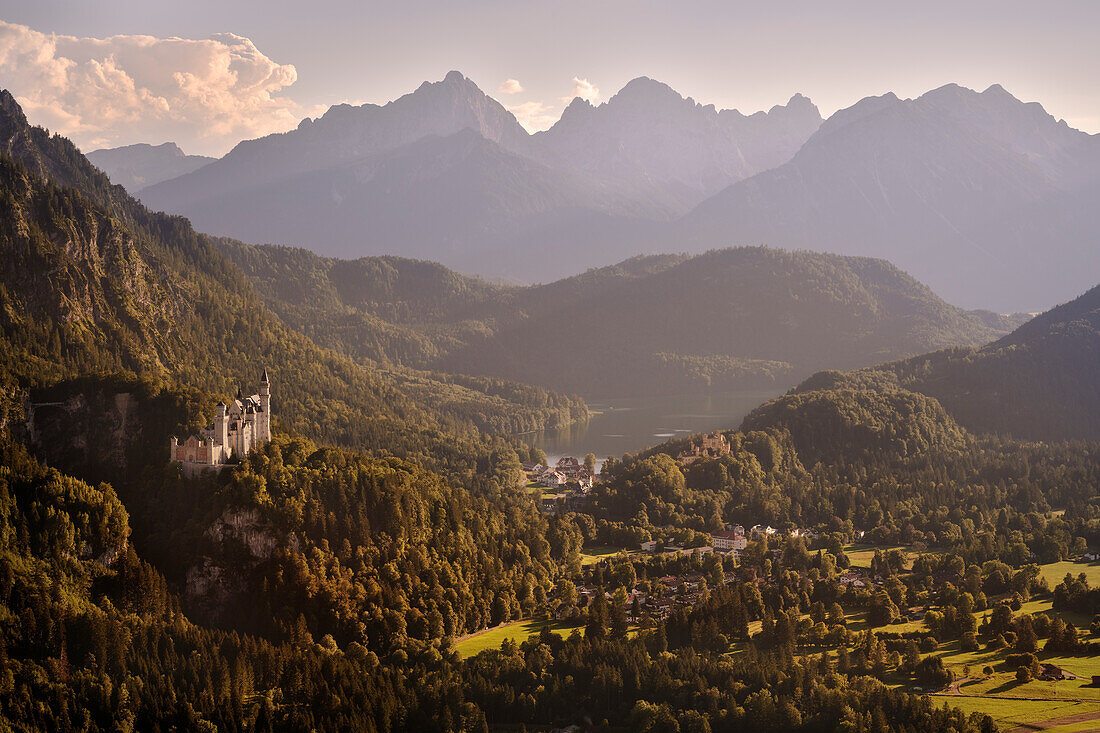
{"type": "Point", "coordinates": [568, 472]}
{"type": "Point", "coordinates": [570, 479]}
{"type": "Point", "coordinates": [662, 596]}
{"type": "Point", "coordinates": [237, 429]}
{"type": "Point", "coordinates": [711, 445]}
{"type": "Point", "coordinates": [733, 539]}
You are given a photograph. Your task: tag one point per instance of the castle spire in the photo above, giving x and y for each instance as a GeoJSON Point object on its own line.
{"type": "Point", "coordinates": [263, 377]}
{"type": "Point", "coordinates": [240, 395]}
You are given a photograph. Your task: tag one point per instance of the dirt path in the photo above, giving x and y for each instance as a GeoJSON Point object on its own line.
{"type": "Point", "coordinates": [1055, 722]}
{"type": "Point", "coordinates": [953, 689]}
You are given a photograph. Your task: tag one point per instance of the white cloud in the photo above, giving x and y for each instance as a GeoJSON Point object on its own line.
{"type": "Point", "coordinates": [510, 86]}
{"type": "Point", "coordinates": [204, 94]}
{"type": "Point", "coordinates": [584, 89]}
{"type": "Point", "coordinates": [534, 116]}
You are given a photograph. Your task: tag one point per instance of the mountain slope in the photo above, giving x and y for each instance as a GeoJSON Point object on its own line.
{"type": "Point", "coordinates": [985, 198]}
{"type": "Point", "coordinates": [344, 133]}
{"type": "Point", "coordinates": [1042, 381]}
{"type": "Point", "coordinates": [92, 282]}
{"type": "Point", "coordinates": [647, 137]}
{"type": "Point", "coordinates": [446, 173]}
{"type": "Point", "coordinates": [136, 166]}
{"type": "Point", "coordinates": [461, 199]}
{"type": "Point", "coordinates": [662, 324]}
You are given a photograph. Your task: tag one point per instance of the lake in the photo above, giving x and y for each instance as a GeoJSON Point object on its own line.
{"type": "Point", "coordinates": [629, 425]}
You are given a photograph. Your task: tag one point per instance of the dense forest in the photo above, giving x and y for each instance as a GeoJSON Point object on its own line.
{"type": "Point", "coordinates": [1039, 382]}
{"type": "Point", "coordinates": [728, 319]}
{"type": "Point", "coordinates": [893, 467]}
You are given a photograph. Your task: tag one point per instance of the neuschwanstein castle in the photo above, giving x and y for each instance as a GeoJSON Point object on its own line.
{"type": "Point", "coordinates": [236, 430]}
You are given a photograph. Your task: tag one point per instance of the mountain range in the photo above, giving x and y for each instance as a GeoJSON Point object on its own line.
{"type": "Point", "coordinates": [93, 285]}
{"type": "Point", "coordinates": [447, 173]}
{"type": "Point", "coordinates": [987, 199]}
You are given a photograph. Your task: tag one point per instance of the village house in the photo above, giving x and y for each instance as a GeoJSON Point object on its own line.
{"type": "Point", "coordinates": [760, 530]}
{"type": "Point", "coordinates": [569, 465]}
{"type": "Point", "coordinates": [237, 429]}
{"type": "Point", "coordinates": [552, 479]}
{"type": "Point", "coordinates": [725, 540]}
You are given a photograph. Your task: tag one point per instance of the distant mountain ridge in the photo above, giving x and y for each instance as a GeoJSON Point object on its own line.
{"type": "Point", "coordinates": [649, 134]}
{"type": "Point", "coordinates": [368, 180]}
{"type": "Point", "coordinates": [989, 200]}
{"type": "Point", "coordinates": [341, 136]}
{"type": "Point", "coordinates": [137, 166]}
{"type": "Point", "coordinates": [664, 324]}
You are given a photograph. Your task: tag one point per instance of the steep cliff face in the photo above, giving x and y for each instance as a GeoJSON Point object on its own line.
{"type": "Point", "coordinates": [102, 429]}
{"type": "Point", "coordinates": [237, 544]}
{"type": "Point", "coordinates": [72, 271]}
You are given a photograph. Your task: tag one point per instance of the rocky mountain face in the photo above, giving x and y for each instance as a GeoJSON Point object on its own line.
{"type": "Point", "coordinates": [446, 173]}
{"type": "Point", "coordinates": [342, 135]}
{"type": "Point", "coordinates": [461, 198]}
{"type": "Point", "coordinates": [137, 166]}
{"type": "Point", "coordinates": [648, 138]}
{"type": "Point", "coordinates": [987, 199]}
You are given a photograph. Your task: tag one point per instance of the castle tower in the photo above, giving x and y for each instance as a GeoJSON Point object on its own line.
{"type": "Point", "coordinates": [219, 443]}
{"type": "Point", "coordinates": [263, 422]}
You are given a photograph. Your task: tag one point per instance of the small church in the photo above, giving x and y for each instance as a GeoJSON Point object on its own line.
{"type": "Point", "coordinates": [237, 429]}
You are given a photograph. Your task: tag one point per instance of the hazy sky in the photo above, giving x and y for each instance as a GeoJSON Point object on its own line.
{"type": "Point", "coordinates": [154, 73]}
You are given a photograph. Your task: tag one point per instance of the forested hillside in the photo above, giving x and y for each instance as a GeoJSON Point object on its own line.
{"type": "Point", "coordinates": [740, 318]}
{"type": "Point", "coordinates": [1041, 382]}
{"type": "Point", "coordinates": [92, 282]}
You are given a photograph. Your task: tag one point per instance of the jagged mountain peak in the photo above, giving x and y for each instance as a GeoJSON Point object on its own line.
{"type": "Point", "coordinates": [863, 108]}
{"type": "Point", "coordinates": [984, 197]}
{"type": "Point", "coordinates": [142, 164]}
{"type": "Point", "coordinates": [10, 112]}
{"type": "Point", "coordinates": [643, 90]}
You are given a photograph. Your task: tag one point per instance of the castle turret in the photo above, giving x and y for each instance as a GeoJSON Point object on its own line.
{"type": "Point", "coordinates": [263, 423]}
{"type": "Point", "coordinates": [219, 443]}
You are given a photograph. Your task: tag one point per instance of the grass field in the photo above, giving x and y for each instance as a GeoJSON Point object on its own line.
{"type": "Point", "coordinates": [518, 631]}
{"type": "Point", "coordinates": [860, 556]}
{"type": "Point", "coordinates": [594, 553]}
{"type": "Point", "coordinates": [1009, 713]}
{"type": "Point", "coordinates": [1054, 572]}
